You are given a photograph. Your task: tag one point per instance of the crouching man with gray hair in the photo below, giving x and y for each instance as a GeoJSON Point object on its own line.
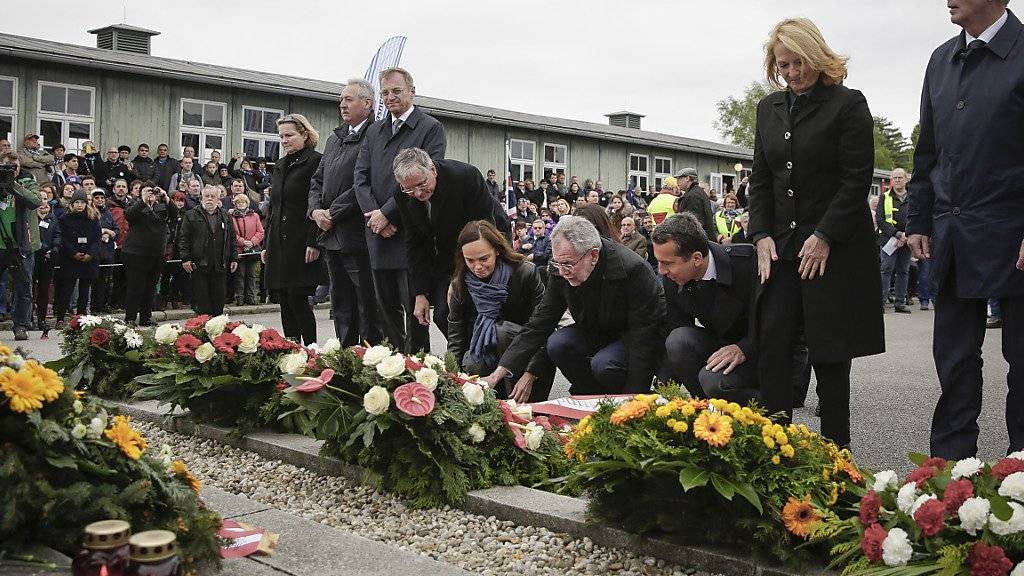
{"type": "Point", "coordinates": [618, 305]}
{"type": "Point", "coordinates": [438, 199]}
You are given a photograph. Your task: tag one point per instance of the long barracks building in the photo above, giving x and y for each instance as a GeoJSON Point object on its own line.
{"type": "Point", "coordinates": [117, 93]}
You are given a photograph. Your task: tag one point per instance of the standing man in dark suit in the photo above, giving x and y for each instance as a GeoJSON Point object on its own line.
{"type": "Point", "coordinates": [694, 199]}
{"type": "Point", "coordinates": [377, 193]}
{"type": "Point", "coordinates": [334, 209]}
{"type": "Point", "coordinates": [438, 199]}
{"type": "Point", "coordinates": [966, 200]}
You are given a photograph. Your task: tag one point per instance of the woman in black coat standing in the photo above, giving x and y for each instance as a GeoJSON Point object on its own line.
{"type": "Point", "coordinates": [77, 238]}
{"type": "Point", "coordinates": [813, 163]}
{"type": "Point", "coordinates": [291, 252]}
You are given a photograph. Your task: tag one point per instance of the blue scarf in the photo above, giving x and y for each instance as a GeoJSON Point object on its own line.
{"type": "Point", "coordinates": [488, 297]}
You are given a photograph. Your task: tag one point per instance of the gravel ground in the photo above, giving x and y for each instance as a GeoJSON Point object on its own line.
{"type": "Point", "coordinates": [484, 545]}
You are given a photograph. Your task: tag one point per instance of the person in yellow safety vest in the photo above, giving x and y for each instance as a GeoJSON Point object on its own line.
{"type": "Point", "coordinates": [727, 219]}
{"type": "Point", "coordinates": [662, 206]}
{"type": "Point", "coordinates": [891, 217]}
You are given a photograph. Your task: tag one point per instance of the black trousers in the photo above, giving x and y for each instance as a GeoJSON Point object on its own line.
{"type": "Point", "coordinates": [352, 299]}
{"type": "Point", "coordinates": [396, 304]}
{"type": "Point", "coordinates": [589, 369]}
{"type": "Point", "coordinates": [63, 300]}
{"type": "Point", "coordinates": [781, 325]}
{"type": "Point", "coordinates": [42, 278]}
{"type": "Point", "coordinates": [120, 280]}
{"type": "Point", "coordinates": [297, 317]}
{"type": "Point", "coordinates": [142, 274]}
{"type": "Point", "coordinates": [543, 368]}
{"type": "Point", "coordinates": [208, 287]}
{"type": "Point", "coordinates": [439, 300]}
{"type": "Point", "coordinates": [686, 354]}
{"type": "Point", "coordinates": [956, 346]}
{"type": "Point", "coordinates": [103, 288]}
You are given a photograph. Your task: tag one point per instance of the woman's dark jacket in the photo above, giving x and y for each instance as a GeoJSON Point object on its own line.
{"type": "Point", "coordinates": [78, 234]}
{"type": "Point", "coordinates": [288, 231]}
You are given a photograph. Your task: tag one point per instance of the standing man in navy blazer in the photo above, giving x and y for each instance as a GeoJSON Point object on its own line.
{"type": "Point", "coordinates": [966, 201]}
{"type": "Point", "coordinates": [405, 126]}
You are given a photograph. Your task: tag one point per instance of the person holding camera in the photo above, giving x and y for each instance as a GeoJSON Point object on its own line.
{"type": "Point", "coordinates": [143, 250]}
{"type": "Point", "coordinates": [19, 236]}
{"type": "Point", "coordinates": [77, 238]}
{"type": "Point", "coordinates": [207, 251]}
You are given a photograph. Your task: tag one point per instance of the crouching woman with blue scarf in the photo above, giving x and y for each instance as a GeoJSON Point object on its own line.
{"type": "Point", "coordinates": [493, 293]}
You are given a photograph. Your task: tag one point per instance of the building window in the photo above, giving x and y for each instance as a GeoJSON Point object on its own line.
{"type": "Point", "coordinates": [662, 170]}
{"type": "Point", "coordinates": [202, 126]}
{"type": "Point", "coordinates": [554, 159]}
{"type": "Point", "coordinates": [8, 107]}
{"type": "Point", "coordinates": [638, 171]}
{"type": "Point", "coordinates": [259, 133]}
{"type": "Point", "coordinates": [65, 115]}
{"type": "Point", "coordinates": [522, 157]}
{"type": "Point", "coordinates": [716, 183]}
{"type": "Point", "coordinates": [876, 189]}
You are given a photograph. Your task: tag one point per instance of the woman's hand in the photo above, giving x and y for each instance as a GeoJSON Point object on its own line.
{"type": "Point", "coordinates": [312, 254]}
{"type": "Point", "coordinates": [813, 257]}
{"type": "Point", "coordinates": [521, 391]}
{"type": "Point", "coordinates": [765, 256]}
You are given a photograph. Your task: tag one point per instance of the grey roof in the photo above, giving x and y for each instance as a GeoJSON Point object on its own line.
{"type": "Point", "coordinates": [625, 113]}
{"type": "Point", "coordinates": [127, 27]}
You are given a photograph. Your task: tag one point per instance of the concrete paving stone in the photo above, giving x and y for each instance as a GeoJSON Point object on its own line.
{"type": "Point", "coordinates": [230, 505]}
{"type": "Point", "coordinates": [252, 567]}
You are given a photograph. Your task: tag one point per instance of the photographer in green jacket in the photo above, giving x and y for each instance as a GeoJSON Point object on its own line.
{"type": "Point", "coordinates": [19, 236]}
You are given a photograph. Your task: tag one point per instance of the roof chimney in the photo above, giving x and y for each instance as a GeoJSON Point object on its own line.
{"type": "Point", "coordinates": [124, 38]}
{"type": "Point", "coordinates": [624, 119]}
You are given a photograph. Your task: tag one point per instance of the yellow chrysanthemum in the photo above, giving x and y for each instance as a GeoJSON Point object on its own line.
{"type": "Point", "coordinates": [24, 390]}
{"type": "Point", "coordinates": [688, 410]}
{"type": "Point", "coordinates": [671, 422]}
{"type": "Point", "coordinates": [776, 460]}
{"type": "Point", "coordinates": [5, 351]}
{"type": "Point", "coordinates": [781, 439]}
{"type": "Point", "coordinates": [179, 469]}
{"type": "Point", "coordinates": [664, 411]}
{"type": "Point", "coordinates": [713, 428]}
{"type": "Point", "coordinates": [647, 398]}
{"type": "Point", "coordinates": [128, 439]}
{"type": "Point", "coordinates": [52, 385]}
{"type": "Point", "coordinates": [787, 451]}
{"type": "Point", "coordinates": [769, 442]}
{"type": "Point", "coordinates": [681, 427]}
{"type": "Point", "coordinates": [629, 411]}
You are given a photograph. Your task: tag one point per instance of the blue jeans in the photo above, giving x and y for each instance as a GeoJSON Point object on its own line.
{"type": "Point", "coordinates": [589, 370]}
{"type": "Point", "coordinates": [19, 270]}
{"type": "Point", "coordinates": [925, 290]}
{"type": "Point", "coordinates": [899, 263]}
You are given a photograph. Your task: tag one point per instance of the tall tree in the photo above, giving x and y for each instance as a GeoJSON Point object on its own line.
{"type": "Point", "coordinates": [737, 117]}
{"type": "Point", "coordinates": [898, 150]}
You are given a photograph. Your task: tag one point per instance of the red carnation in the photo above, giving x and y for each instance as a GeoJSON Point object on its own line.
{"type": "Point", "coordinates": [358, 351]}
{"type": "Point", "coordinates": [412, 365]}
{"type": "Point", "coordinates": [1007, 466]}
{"type": "Point", "coordinates": [186, 345]}
{"type": "Point", "coordinates": [75, 323]}
{"type": "Point", "coordinates": [870, 504]}
{"type": "Point", "coordinates": [197, 322]}
{"type": "Point", "coordinates": [227, 343]}
{"type": "Point", "coordinates": [957, 492]}
{"type": "Point", "coordinates": [935, 462]}
{"type": "Point", "coordinates": [232, 325]}
{"type": "Point", "coordinates": [921, 475]}
{"type": "Point", "coordinates": [871, 544]}
{"type": "Point", "coordinates": [986, 560]}
{"type": "Point", "coordinates": [931, 517]}
{"type": "Point", "coordinates": [99, 337]}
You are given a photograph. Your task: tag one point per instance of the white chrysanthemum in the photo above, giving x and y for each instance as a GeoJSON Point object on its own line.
{"type": "Point", "coordinates": [428, 377]}
{"type": "Point", "coordinates": [77, 406]}
{"type": "Point", "coordinates": [1019, 570]}
{"type": "Point", "coordinates": [250, 339]}
{"type": "Point", "coordinates": [120, 328]}
{"type": "Point", "coordinates": [331, 346]}
{"type": "Point", "coordinates": [205, 352]}
{"type": "Point", "coordinates": [476, 433]}
{"type": "Point", "coordinates": [88, 321]}
{"type": "Point", "coordinates": [167, 333]}
{"type": "Point", "coordinates": [474, 393]}
{"type": "Point", "coordinates": [534, 435]}
{"type": "Point", "coordinates": [376, 400]}
{"type": "Point", "coordinates": [132, 339]}
{"type": "Point", "coordinates": [374, 354]}
{"type": "Point", "coordinates": [215, 326]}
{"type": "Point", "coordinates": [434, 362]}
{"type": "Point", "coordinates": [165, 455]}
{"type": "Point", "coordinates": [885, 480]}
{"type": "Point", "coordinates": [258, 327]}
{"type": "Point", "coordinates": [920, 502]}
{"type": "Point", "coordinates": [391, 367]}
{"type": "Point", "coordinates": [96, 426]}
{"type": "Point", "coordinates": [967, 467]}
{"type": "Point", "coordinates": [973, 514]}
{"type": "Point", "coordinates": [896, 548]}
{"type": "Point", "coordinates": [906, 497]}
{"type": "Point", "coordinates": [294, 363]}
{"type": "Point", "coordinates": [79, 431]}
{"type": "Point", "coordinates": [1013, 486]}
{"type": "Point", "coordinates": [1006, 527]}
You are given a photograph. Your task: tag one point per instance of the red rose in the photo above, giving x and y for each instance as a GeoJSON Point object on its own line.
{"type": "Point", "coordinates": [931, 517]}
{"type": "Point", "coordinates": [935, 462]}
{"type": "Point", "coordinates": [227, 343]}
{"type": "Point", "coordinates": [75, 323]}
{"type": "Point", "coordinates": [986, 560]}
{"type": "Point", "coordinates": [359, 351]}
{"type": "Point", "coordinates": [871, 543]}
{"type": "Point", "coordinates": [186, 345]}
{"type": "Point", "coordinates": [957, 492]}
{"type": "Point", "coordinates": [231, 325]}
{"type": "Point", "coordinates": [197, 322]}
{"type": "Point", "coordinates": [870, 504]}
{"type": "Point", "coordinates": [1007, 466]}
{"type": "Point", "coordinates": [99, 337]}
{"type": "Point", "coordinates": [921, 475]}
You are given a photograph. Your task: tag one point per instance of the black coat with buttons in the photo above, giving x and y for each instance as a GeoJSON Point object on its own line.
{"type": "Point", "coordinates": [289, 231]}
{"type": "Point", "coordinates": [812, 174]}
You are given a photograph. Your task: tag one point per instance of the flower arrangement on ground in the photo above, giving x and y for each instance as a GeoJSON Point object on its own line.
{"type": "Point", "coordinates": [427, 433]}
{"type": "Point", "coordinates": [946, 518]}
{"type": "Point", "coordinates": [102, 354]}
{"type": "Point", "coordinates": [223, 371]}
{"type": "Point", "coordinates": [67, 462]}
{"type": "Point", "coordinates": [667, 462]}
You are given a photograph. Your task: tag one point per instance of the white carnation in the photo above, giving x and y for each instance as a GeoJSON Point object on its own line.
{"type": "Point", "coordinates": [258, 327]}
{"type": "Point", "coordinates": [215, 326]}
{"type": "Point", "coordinates": [1006, 527]}
{"type": "Point", "coordinates": [534, 435]}
{"type": "Point", "coordinates": [374, 354]}
{"type": "Point", "coordinates": [1018, 571]}
{"type": "Point", "coordinates": [920, 502]}
{"type": "Point", "coordinates": [165, 455]}
{"type": "Point", "coordinates": [391, 367]}
{"type": "Point", "coordinates": [132, 339]}
{"type": "Point", "coordinates": [885, 480]}
{"type": "Point", "coordinates": [88, 321]}
{"type": "Point", "coordinates": [1013, 486]}
{"type": "Point", "coordinates": [331, 346]}
{"type": "Point", "coordinates": [250, 339]}
{"type": "Point", "coordinates": [896, 548]}
{"type": "Point", "coordinates": [1019, 455]}
{"type": "Point", "coordinates": [294, 363]}
{"type": "Point", "coordinates": [967, 467]}
{"type": "Point", "coordinates": [474, 393]}
{"type": "Point", "coordinates": [167, 333]}
{"type": "Point", "coordinates": [79, 431]}
{"type": "Point", "coordinates": [906, 496]}
{"type": "Point", "coordinates": [205, 352]}
{"type": "Point", "coordinates": [476, 433]}
{"type": "Point", "coordinates": [376, 400]}
{"type": "Point", "coordinates": [973, 514]}
{"type": "Point", "coordinates": [428, 377]}
{"type": "Point", "coordinates": [434, 362]}
{"type": "Point", "coordinates": [77, 406]}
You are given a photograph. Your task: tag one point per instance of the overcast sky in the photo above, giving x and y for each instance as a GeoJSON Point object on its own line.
{"type": "Point", "coordinates": [669, 60]}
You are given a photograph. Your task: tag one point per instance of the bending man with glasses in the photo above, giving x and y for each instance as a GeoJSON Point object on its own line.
{"type": "Point", "coordinates": [618, 306]}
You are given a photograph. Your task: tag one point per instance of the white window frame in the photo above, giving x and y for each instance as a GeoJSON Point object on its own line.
{"type": "Point", "coordinates": [876, 189]}
{"type": "Point", "coordinates": [202, 131]}
{"type": "Point", "coordinates": [641, 178]}
{"type": "Point", "coordinates": [716, 183]}
{"type": "Point", "coordinates": [522, 162]}
{"type": "Point", "coordinates": [556, 166]}
{"type": "Point", "coordinates": [65, 118]}
{"type": "Point", "coordinates": [12, 111]}
{"type": "Point", "coordinates": [262, 137]}
{"type": "Point", "coordinates": [660, 176]}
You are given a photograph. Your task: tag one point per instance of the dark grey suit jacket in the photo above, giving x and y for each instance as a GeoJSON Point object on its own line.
{"type": "Point", "coordinates": [332, 189]}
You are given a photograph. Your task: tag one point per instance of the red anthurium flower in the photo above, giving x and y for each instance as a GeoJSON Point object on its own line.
{"type": "Point", "coordinates": [414, 399]}
{"type": "Point", "coordinates": [315, 384]}
{"type": "Point", "coordinates": [99, 337]}
{"type": "Point", "coordinates": [197, 322]}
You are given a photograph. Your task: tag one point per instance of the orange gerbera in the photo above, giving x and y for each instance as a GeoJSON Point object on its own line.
{"type": "Point", "coordinates": [713, 428]}
{"type": "Point", "coordinates": [25, 391]}
{"type": "Point", "coordinates": [52, 385]}
{"type": "Point", "coordinates": [800, 516]}
{"type": "Point", "coordinates": [629, 411]}
{"type": "Point", "coordinates": [179, 469]}
{"type": "Point", "coordinates": [128, 439]}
